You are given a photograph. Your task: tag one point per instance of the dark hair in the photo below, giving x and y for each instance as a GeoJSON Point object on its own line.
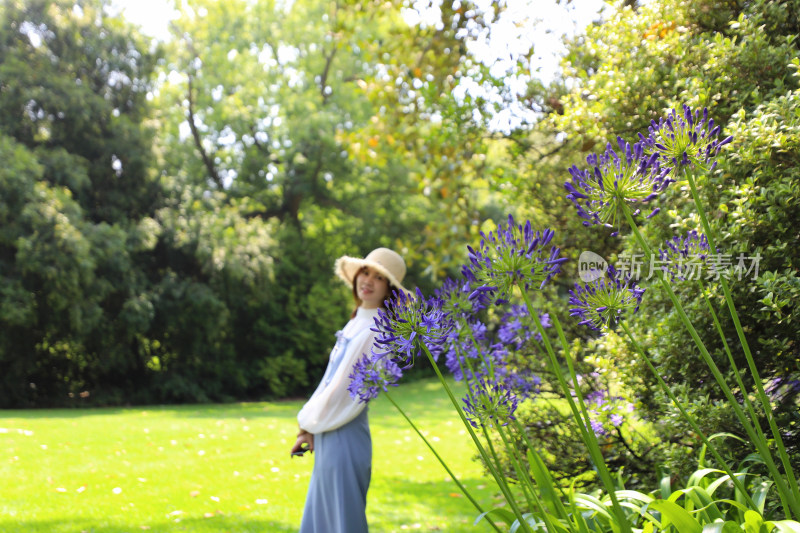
{"type": "Point", "coordinates": [390, 290]}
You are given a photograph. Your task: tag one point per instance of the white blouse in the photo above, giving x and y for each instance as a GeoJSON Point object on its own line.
{"type": "Point", "coordinates": [331, 407]}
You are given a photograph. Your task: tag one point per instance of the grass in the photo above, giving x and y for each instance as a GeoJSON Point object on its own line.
{"type": "Point", "coordinates": [216, 468]}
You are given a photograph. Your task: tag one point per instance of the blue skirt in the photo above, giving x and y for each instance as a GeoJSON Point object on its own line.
{"type": "Point", "coordinates": [337, 493]}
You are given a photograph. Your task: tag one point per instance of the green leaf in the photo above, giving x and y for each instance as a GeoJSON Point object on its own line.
{"type": "Point", "coordinates": [752, 521]}
{"type": "Point", "coordinates": [723, 527]}
{"type": "Point", "coordinates": [499, 512]}
{"type": "Point", "coordinates": [593, 504]}
{"type": "Point", "coordinates": [544, 481]}
{"type": "Point", "coordinates": [786, 526]}
{"type": "Point", "coordinates": [673, 514]}
{"type": "Point", "coordinates": [759, 494]}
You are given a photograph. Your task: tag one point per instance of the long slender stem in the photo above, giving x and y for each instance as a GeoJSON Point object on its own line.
{"type": "Point", "coordinates": [524, 479]}
{"type": "Point", "coordinates": [687, 416]}
{"type": "Point", "coordinates": [762, 396]}
{"type": "Point", "coordinates": [522, 476]}
{"type": "Point", "coordinates": [441, 461]}
{"type": "Point", "coordinates": [745, 396]}
{"type": "Point", "coordinates": [559, 508]}
{"type": "Point", "coordinates": [761, 446]}
{"type": "Point", "coordinates": [581, 416]}
{"type": "Point", "coordinates": [497, 475]}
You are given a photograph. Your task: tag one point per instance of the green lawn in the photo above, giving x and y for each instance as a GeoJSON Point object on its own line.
{"type": "Point", "coordinates": [222, 468]}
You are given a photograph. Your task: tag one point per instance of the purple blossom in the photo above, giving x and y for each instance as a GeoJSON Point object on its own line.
{"type": "Point", "coordinates": [457, 298]}
{"type": "Point", "coordinates": [605, 409]}
{"type": "Point", "coordinates": [463, 353]}
{"type": "Point", "coordinates": [404, 328]}
{"type": "Point", "coordinates": [600, 191]}
{"type": "Point", "coordinates": [513, 255]}
{"type": "Point", "coordinates": [600, 303]}
{"type": "Point", "coordinates": [513, 331]}
{"type": "Point", "coordinates": [598, 428]}
{"type": "Point", "coordinates": [489, 403]}
{"type": "Point", "coordinates": [684, 257]}
{"type": "Point", "coordinates": [407, 324]}
{"type": "Point", "coordinates": [371, 375]}
{"type": "Point", "coordinates": [685, 138]}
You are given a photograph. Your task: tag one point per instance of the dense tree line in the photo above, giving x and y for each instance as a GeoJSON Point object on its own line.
{"type": "Point", "coordinates": [169, 213]}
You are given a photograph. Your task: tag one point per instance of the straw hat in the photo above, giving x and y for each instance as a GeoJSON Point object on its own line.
{"type": "Point", "coordinates": [386, 261]}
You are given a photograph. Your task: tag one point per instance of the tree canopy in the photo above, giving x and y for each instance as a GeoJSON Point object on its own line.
{"type": "Point", "coordinates": [170, 212]}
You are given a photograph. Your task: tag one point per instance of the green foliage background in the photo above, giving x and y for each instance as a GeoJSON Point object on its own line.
{"type": "Point", "coordinates": [170, 213]}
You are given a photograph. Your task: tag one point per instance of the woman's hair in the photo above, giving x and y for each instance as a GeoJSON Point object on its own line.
{"type": "Point", "coordinates": [391, 289]}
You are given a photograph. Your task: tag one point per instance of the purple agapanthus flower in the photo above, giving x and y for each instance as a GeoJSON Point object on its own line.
{"type": "Point", "coordinates": [512, 330]}
{"type": "Point", "coordinates": [407, 324]}
{"type": "Point", "coordinates": [605, 411]}
{"type": "Point", "coordinates": [371, 375]}
{"type": "Point", "coordinates": [513, 255]}
{"type": "Point", "coordinates": [685, 138]}
{"type": "Point", "coordinates": [405, 328]}
{"type": "Point", "coordinates": [600, 303]}
{"type": "Point", "coordinates": [489, 403]}
{"type": "Point", "coordinates": [456, 301]}
{"type": "Point", "coordinates": [611, 180]}
{"type": "Point", "coordinates": [684, 257]}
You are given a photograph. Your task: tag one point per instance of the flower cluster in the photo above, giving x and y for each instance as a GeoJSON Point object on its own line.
{"type": "Point", "coordinates": [407, 324]}
{"type": "Point", "coordinates": [600, 303]}
{"type": "Point", "coordinates": [644, 168]}
{"type": "Point", "coordinates": [371, 375]}
{"type": "Point", "coordinates": [600, 191]}
{"type": "Point", "coordinates": [685, 138]}
{"type": "Point", "coordinates": [513, 331]}
{"type": "Point", "coordinates": [513, 255]}
{"type": "Point", "coordinates": [459, 298]}
{"type": "Point", "coordinates": [489, 403]}
{"type": "Point", "coordinates": [606, 411]}
{"type": "Point", "coordinates": [683, 256]}
{"type": "Point", "coordinates": [405, 328]}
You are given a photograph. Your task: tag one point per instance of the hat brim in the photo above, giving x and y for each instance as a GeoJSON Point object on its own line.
{"type": "Point", "coordinates": [347, 267]}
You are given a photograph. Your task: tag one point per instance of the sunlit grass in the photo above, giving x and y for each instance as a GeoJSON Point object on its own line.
{"type": "Point", "coordinates": [221, 468]}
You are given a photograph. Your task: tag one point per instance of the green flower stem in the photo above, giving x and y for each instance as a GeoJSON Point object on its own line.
{"type": "Point", "coordinates": [761, 446]}
{"type": "Point", "coordinates": [736, 374]}
{"type": "Point", "coordinates": [441, 461]}
{"type": "Point", "coordinates": [581, 416]}
{"type": "Point", "coordinates": [523, 476]}
{"type": "Point", "coordinates": [762, 396]}
{"type": "Point", "coordinates": [602, 468]}
{"type": "Point", "coordinates": [472, 398]}
{"type": "Point", "coordinates": [528, 490]}
{"type": "Point", "coordinates": [688, 417]}
{"type": "Point", "coordinates": [497, 475]}
{"type": "Point", "coordinates": [524, 479]}
{"type": "Point", "coordinates": [559, 508]}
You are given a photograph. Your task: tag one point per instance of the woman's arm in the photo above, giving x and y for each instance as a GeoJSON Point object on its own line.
{"type": "Point", "coordinates": [333, 407]}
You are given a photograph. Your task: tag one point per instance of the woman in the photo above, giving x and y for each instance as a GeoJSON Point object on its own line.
{"type": "Point", "coordinates": [333, 424]}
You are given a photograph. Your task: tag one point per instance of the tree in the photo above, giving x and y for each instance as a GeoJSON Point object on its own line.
{"type": "Point", "coordinates": [307, 118]}
{"type": "Point", "coordinates": [77, 192]}
{"type": "Point", "coordinates": [739, 61]}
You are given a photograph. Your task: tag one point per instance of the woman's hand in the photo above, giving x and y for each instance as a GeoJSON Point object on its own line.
{"type": "Point", "coordinates": [304, 443]}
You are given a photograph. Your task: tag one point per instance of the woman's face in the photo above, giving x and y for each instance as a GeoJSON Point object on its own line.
{"type": "Point", "coordinates": [372, 288]}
